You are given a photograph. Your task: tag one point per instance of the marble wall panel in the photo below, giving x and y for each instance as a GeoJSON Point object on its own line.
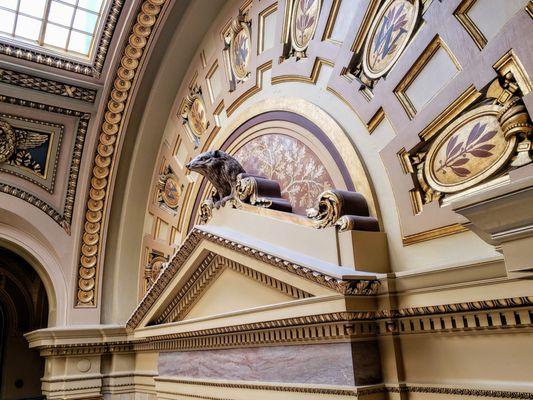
{"type": "Point", "coordinates": [346, 364]}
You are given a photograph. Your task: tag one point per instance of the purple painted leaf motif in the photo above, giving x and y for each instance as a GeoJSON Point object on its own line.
{"type": "Point", "coordinates": [451, 145]}
{"type": "Point", "coordinates": [487, 136]}
{"type": "Point", "coordinates": [459, 162]}
{"type": "Point", "coordinates": [486, 147]}
{"type": "Point", "coordinates": [481, 153]}
{"type": "Point", "coordinates": [456, 149]}
{"type": "Point", "coordinates": [476, 131]}
{"type": "Point", "coordinates": [460, 171]}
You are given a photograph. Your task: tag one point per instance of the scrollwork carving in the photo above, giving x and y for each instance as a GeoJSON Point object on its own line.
{"type": "Point", "coordinates": [484, 142]}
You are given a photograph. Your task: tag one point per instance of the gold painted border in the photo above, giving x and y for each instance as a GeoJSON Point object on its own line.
{"type": "Point", "coordinates": [428, 53]}
{"type": "Point", "coordinates": [461, 13]}
{"type": "Point", "coordinates": [433, 234]}
{"type": "Point", "coordinates": [261, 31]}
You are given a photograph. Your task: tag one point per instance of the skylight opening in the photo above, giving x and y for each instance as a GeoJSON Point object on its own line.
{"type": "Point", "coordinates": [65, 26]}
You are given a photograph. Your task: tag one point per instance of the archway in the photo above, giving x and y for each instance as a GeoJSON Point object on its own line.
{"type": "Point", "coordinates": [23, 308]}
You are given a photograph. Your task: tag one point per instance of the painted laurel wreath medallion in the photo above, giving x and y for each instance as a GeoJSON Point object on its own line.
{"type": "Point", "coordinates": [304, 22]}
{"type": "Point", "coordinates": [171, 192]}
{"type": "Point", "coordinates": [197, 116]}
{"type": "Point", "coordinates": [240, 52]}
{"type": "Point", "coordinates": [389, 35]}
{"type": "Point", "coordinates": [468, 151]}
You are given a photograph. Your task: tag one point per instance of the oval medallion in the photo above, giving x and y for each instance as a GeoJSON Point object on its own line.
{"type": "Point", "coordinates": [197, 116]}
{"type": "Point", "coordinates": [389, 35]}
{"type": "Point", "coordinates": [171, 192]}
{"type": "Point", "coordinates": [304, 22]}
{"type": "Point", "coordinates": [240, 52]}
{"type": "Point", "coordinates": [468, 151]}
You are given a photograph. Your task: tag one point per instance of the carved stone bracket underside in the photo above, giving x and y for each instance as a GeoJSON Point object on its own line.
{"type": "Point", "coordinates": [349, 287]}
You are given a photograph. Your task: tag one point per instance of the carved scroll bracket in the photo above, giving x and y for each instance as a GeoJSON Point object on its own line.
{"type": "Point", "coordinates": [343, 209]}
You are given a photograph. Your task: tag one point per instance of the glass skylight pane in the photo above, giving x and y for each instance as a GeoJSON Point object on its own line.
{"type": "Point", "coordinates": [11, 4]}
{"type": "Point", "coordinates": [80, 43]}
{"type": "Point", "coordinates": [60, 13]}
{"type": "Point", "coordinates": [28, 28]}
{"type": "Point", "coordinates": [8, 19]}
{"type": "Point", "coordinates": [85, 21]}
{"type": "Point", "coordinates": [56, 36]}
{"type": "Point", "coordinates": [34, 8]}
{"type": "Point", "coordinates": [93, 5]}
{"type": "Point", "coordinates": [73, 2]}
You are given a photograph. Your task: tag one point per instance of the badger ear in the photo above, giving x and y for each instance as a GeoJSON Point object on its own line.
{"type": "Point", "coordinates": [217, 154]}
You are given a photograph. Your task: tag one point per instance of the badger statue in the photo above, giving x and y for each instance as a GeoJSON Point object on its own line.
{"type": "Point", "coordinates": [221, 170]}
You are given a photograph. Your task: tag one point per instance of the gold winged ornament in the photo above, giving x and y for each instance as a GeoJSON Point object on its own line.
{"type": "Point", "coordinates": [13, 140]}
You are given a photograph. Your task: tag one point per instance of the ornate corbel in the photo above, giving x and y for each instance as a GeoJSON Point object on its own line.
{"type": "Point", "coordinates": [344, 209]}
{"type": "Point", "coordinates": [486, 141]}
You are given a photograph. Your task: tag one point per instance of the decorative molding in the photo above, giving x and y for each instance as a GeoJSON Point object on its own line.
{"type": "Point", "coordinates": [428, 53]}
{"type": "Point", "coordinates": [57, 61]}
{"type": "Point", "coordinates": [475, 317]}
{"type": "Point", "coordinates": [343, 209]}
{"type": "Point", "coordinates": [63, 218]}
{"type": "Point", "coordinates": [351, 287]}
{"type": "Point", "coordinates": [376, 119]}
{"type": "Point", "coordinates": [19, 79]}
{"type": "Point", "coordinates": [205, 275]}
{"type": "Point", "coordinates": [106, 157]}
{"type": "Point", "coordinates": [461, 13]}
{"type": "Point", "coordinates": [371, 62]}
{"type": "Point", "coordinates": [480, 144]}
{"type": "Point", "coordinates": [301, 22]}
{"type": "Point", "coordinates": [431, 234]}
{"type": "Point", "coordinates": [194, 115]}
{"type": "Point", "coordinates": [41, 175]}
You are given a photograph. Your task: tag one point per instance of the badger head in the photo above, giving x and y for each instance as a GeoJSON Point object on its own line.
{"type": "Point", "coordinates": [205, 162]}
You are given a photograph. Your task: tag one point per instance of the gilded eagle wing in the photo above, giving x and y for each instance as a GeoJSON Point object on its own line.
{"type": "Point", "coordinates": [29, 139]}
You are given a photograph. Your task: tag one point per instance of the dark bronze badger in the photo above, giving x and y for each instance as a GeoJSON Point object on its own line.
{"type": "Point", "coordinates": [221, 170]}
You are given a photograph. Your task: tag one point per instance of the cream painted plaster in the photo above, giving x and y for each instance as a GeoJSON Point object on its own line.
{"type": "Point", "coordinates": [232, 291]}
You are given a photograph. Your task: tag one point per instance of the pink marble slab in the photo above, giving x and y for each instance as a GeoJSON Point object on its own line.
{"type": "Point", "coordinates": [346, 364]}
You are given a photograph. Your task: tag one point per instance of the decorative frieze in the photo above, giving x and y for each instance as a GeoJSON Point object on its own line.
{"type": "Point", "coordinates": [19, 79]}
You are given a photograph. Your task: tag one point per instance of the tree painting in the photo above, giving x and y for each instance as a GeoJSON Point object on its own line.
{"type": "Point", "coordinates": [305, 20]}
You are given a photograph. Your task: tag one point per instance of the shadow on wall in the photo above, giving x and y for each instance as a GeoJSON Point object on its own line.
{"type": "Point", "coordinates": [23, 308]}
